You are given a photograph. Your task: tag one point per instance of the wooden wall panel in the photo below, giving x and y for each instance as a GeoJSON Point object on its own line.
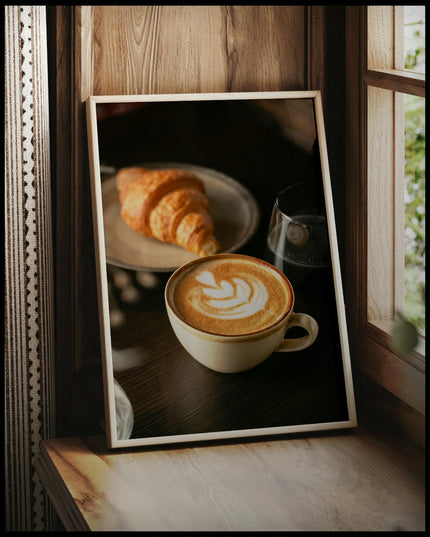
{"type": "Point", "coordinates": [167, 49]}
{"type": "Point", "coordinates": [108, 50]}
{"type": "Point", "coordinates": [188, 49]}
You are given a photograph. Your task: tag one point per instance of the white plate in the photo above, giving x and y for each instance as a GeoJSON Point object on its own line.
{"type": "Point", "coordinates": [233, 208]}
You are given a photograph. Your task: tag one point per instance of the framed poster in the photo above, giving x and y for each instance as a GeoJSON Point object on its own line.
{"type": "Point", "coordinates": [249, 150]}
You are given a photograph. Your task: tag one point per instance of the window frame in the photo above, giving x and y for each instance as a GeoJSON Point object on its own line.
{"type": "Point", "coordinates": [371, 351]}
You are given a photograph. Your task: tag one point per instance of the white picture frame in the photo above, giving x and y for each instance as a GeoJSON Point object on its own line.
{"type": "Point", "coordinates": [115, 393]}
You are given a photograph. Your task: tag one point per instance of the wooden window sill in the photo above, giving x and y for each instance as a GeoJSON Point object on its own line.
{"type": "Point", "coordinates": [349, 481]}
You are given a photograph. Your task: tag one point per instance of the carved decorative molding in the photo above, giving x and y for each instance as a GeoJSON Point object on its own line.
{"type": "Point", "coordinates": [29, 329]}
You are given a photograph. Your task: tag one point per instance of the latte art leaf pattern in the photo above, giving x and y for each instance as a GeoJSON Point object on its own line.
{"type": "Point", "coordinates": [230, 295]}
{"type": "Point", "coordinates": [235, 300]}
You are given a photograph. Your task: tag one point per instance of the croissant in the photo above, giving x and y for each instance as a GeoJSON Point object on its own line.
{"type": "Point", "coordinates": [169, 205]}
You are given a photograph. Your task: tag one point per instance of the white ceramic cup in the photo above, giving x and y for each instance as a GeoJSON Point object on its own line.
{"type": "Point", "coordinates": [239, 352]}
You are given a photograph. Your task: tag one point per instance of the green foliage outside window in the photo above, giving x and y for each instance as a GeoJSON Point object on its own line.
{"type": "Point", "coordinates": [414, 308]}
{"type": "Point", "coordinates": [404, 334]}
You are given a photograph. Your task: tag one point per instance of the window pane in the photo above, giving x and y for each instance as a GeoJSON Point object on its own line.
{"type": "Point", "coordinates": [414, 303]}
{"type": "Point", "coordinates": [414, 38]}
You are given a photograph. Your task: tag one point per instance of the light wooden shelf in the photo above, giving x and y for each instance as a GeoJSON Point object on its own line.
{"type": "Point", "coordinates": [348, 481]}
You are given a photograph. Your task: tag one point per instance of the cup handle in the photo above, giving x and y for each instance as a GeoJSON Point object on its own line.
{"type": "Point", "coordinates": [297, 344]}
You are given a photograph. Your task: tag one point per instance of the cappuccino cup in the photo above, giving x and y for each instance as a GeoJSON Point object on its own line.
{"type": "Point", "coordinates": [231, 311]}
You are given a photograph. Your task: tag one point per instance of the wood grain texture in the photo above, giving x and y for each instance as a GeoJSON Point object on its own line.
{"type": "Point", "coordinates": [328, 483]}
{"type": "Point", "coordinates": [400, 81]}
{"type": "Point", "coordinates": [380, 44]}
{"type": "Point", "coordinates": [380, 202]}
{"type": "Point", "coordinates": [189, 49]}
{"type": "Point", "coordinates": [317, 50]}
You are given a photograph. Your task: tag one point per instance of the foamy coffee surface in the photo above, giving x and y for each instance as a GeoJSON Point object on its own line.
{"type": "Point", "coordinates": [231, 296]}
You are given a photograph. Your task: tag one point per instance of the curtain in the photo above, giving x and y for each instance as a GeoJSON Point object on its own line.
{"type": "Point", "coordinates": [29, 281]}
